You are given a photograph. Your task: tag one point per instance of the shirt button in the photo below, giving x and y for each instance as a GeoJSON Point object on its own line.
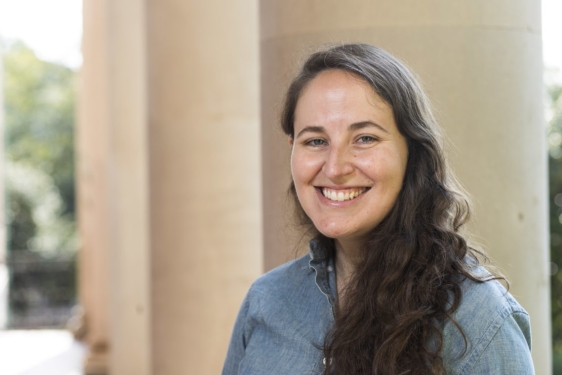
{"type": "Point", "coordinates": [329, 268]}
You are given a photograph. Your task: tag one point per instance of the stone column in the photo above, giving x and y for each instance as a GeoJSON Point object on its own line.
{"type": "Point", "coordinates": [169, 178]}
{"type": "Point", "coordinates": [205, 176]}
{"type": "Point", "coordinates": [480, 63]}
{"type": "Point", "coordinates": [113, 188]}
{"type": "Point", "coordinates": [129, 186]}
{"type": "Point", "coordinates": [92, 188]}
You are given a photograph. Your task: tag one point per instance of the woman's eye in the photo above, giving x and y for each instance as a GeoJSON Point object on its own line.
{"type": "Point", "coordinates": [366, 139]}
{"type": "Point", "coordinates": [316, 142]}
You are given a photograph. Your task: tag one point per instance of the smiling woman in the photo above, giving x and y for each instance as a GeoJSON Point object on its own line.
{"type": "Point", "coordinates": [390, 285]}
{"type": "Point", "coordinates": [357, 152]}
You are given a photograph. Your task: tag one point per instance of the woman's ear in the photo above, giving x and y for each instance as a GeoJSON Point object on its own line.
{"type": "Point", "coordinates": [291, 140]}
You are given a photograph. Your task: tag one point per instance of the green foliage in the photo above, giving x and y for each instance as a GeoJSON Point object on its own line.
{"type": "Point", "coordinates": [555, 181]}
{"type": "Point", "coordinates": [39, 174]}
{"type": "Point", "coordinates": [39, 118]}
{"type": "Point", "coordinates": [35, 213]}
{"type": "Point", "coordinates": [556, 363]}
{"type": "Point", "coordinates": [20, 218]}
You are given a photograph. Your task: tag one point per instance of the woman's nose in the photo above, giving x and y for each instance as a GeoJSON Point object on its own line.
{"type": "Point", "coordinates": [338, 163]}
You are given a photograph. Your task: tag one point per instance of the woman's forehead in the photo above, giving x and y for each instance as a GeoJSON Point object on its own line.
{"type": "Point", "coordinates": [339, 96]}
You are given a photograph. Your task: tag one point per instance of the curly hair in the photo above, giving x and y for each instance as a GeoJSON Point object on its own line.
{"type": "Point", "coordinates": [408, 284]}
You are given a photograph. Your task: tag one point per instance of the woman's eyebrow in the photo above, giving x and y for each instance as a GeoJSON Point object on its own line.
{"type": "Point", "coordinates": [364, 124]}
{"type": "Point", "coordinates": [312, 129]}
{"type": "Point", "coordinates": [352, 127]}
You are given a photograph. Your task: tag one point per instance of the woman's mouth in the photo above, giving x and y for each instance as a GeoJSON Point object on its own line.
{"type": "Point", "coordinates": [342, 195]}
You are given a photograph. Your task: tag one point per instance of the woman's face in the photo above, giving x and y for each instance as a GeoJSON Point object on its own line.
{"type": "Point", "coordinates": [348, 158]}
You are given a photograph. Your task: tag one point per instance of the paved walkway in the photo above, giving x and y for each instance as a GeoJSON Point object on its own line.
{"type": "Point", "coordinates": [42, 352]}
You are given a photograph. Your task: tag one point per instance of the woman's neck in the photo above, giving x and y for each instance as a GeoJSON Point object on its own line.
{"type": "Point", "coordinates": [346, 260]}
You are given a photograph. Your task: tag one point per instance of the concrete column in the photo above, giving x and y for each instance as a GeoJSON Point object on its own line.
{"type": "Point", "coordinates": [128, 195]}
{"type": "Point", "coordinates": [113, 187]}
{"type": "Point", "coordinates": [480, 63]}
{"type": "Point", "coordinates": [169, 178]}
{"type": "Point", "coordinates": [205, 176]}
{"type": "Point", "coordinates": [92, 188]}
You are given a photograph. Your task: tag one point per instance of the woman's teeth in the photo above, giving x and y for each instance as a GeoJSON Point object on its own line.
{"type": "Point", "coordinates": [340, 196]}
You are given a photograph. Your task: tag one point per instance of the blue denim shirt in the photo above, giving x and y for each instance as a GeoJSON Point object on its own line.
{"type": "Point", "coordinates": [288, 311]}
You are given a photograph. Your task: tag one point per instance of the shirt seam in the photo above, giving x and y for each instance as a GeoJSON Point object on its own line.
{"type": "Point", "coordinates": [489, 334]}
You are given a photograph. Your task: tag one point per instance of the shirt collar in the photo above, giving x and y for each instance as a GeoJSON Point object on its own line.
{"type": "Point", "coordinates": [316, 250]}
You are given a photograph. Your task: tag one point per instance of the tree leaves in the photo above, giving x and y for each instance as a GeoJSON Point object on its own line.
{"type": "Point", "coordinates": [39, 117]}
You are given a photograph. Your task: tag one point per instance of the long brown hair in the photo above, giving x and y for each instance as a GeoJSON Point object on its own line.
{"type": "Point", "coordinates": [408, 285]}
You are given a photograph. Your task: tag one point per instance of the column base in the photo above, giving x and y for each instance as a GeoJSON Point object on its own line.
{"type": "Point", "coordinates": [97, 360]}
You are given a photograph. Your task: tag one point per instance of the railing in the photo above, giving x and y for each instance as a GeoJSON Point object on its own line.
{"type": "Point", "coordinates": [42, 291]}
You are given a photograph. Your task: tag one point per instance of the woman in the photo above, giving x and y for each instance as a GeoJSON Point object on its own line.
{"type": "Point", "coordinates": [390, 285]}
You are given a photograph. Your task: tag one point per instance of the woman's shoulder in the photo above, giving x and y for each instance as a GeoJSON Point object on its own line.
{"type": "Point", "coordinates": [283, 278]}
{"type": "Point", "coordinates": [491, 320]}
{"type": "Point", "coordinates": [486, 297]}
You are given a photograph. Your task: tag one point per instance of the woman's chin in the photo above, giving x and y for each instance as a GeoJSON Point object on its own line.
{"type": "Point", "coordinates": [342, 236]}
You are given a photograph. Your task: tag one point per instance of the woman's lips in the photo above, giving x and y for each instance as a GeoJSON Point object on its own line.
{"type": "Point", "coordinates": [341, 195]}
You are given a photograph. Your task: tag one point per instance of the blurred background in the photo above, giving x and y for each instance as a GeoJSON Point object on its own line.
{"type": "Point", "coordinates": [145, 176]}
